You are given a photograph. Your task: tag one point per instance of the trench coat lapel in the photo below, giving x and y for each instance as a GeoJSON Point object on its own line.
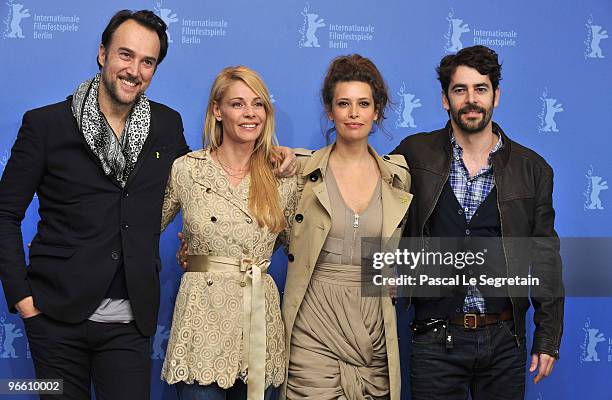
{"type": "Point", "coordinates": [236, 196]}
{"type": "Point", "coordinates": [317, 165]}
{"type": "Point", "coordinates": [395, 200]}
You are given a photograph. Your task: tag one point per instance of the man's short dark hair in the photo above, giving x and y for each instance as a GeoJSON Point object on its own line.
{"type": "Point", "coordinates": [481, 58]}
{"type": "Point", "coordinates": [146, 18]}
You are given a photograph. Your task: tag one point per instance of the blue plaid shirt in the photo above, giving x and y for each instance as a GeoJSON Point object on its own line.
{"type": "Point", "coordinates": [470, 192]}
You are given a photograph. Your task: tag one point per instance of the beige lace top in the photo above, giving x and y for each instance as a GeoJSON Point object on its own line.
{"type": "Point", "coordinates": [205, 343]}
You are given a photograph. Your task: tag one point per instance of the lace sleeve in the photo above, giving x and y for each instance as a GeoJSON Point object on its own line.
{"type": "Point", "coordinates": [292, 197]}
{"type": "Point", "coordinates": [172, 203]}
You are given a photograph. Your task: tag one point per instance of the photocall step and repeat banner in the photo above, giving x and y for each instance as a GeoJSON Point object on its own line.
{"type": "Point", "coordinates": [555, 98]}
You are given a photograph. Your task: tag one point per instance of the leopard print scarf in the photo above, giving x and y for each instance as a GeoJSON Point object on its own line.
{"type": "Point", "coordinates": [117, 156]}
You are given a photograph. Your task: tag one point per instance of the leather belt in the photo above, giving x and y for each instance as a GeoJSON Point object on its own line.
{"type": "Point", "coordinates": [253, 312]}
{"type": "Point", "coordinates": [473, 320]}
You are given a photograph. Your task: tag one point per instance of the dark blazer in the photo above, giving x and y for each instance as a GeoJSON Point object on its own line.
{"type": "Point", "coordinates": [88, 222]}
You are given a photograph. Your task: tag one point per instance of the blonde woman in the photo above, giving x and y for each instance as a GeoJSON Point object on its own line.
{"type": "Point", "coordinates": [227, 325]}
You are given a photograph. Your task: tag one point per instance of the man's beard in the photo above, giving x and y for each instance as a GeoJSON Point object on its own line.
{"type": "Point", "coordinates": [470, 127]}
{"type": "Point", "coordinates": [112, 90]}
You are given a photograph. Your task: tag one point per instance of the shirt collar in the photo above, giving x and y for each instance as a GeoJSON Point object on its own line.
{"type": "Point", "coordinates": [457, 150]}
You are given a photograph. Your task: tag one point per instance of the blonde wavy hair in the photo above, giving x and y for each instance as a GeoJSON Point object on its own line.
{"type": "Point", "coordinates": [264, 200]}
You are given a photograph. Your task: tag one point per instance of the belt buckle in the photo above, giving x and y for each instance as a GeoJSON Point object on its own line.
{"type": "Point", "coordinates": [245, 263]}
{"type": "Point", "coordinates": [466, 319]}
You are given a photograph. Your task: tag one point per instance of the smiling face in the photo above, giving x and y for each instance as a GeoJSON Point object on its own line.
{"type": "Point", "coordinates": [128, 64]}
{"type": "Point", "coordinates": [353, 110]}
{"type": "Point", "coordinates": [470, 100]}
{"type": "Point", "coordinates": [241, 112]}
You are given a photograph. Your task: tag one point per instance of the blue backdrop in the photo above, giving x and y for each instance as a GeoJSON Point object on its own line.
{"type": "Point", "coordinates": [554, 98]}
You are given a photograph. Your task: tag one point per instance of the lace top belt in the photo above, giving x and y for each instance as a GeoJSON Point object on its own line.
{"type": "Point", "coordinates": [253, 311]}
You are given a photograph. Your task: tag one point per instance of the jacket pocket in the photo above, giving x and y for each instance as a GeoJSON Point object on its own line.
{"type": "Point", "coordinates": [51, 251]}
{"type": "Point", "coordinates": [524, 195]}
{"type": "Point", "coordinates": [331, 251]}
{"type": "Point", "coordinates": [35, 317]}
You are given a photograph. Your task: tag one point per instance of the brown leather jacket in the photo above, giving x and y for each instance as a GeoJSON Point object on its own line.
{"type": "Point", "coordinates": [524, 183]}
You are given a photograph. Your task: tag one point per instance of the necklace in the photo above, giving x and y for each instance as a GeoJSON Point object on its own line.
{"type": "Point", "coordinates": [239, 172]}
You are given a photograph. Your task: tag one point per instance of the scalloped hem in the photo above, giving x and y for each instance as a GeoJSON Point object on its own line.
{"type": "Point", "coordinates": [191, 379]}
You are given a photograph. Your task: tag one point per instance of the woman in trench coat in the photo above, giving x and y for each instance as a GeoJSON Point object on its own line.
{"type": "Point", "coordinates": [343, 345]}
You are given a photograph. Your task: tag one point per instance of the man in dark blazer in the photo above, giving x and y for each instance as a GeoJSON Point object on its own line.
{"type": "Point", "coordinates": [99, 162]}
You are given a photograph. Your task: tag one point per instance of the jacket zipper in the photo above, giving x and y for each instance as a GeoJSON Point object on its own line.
{"type": "Point", "coordinates": [501, 227]}
{"type": "Point", "coordinates": [355, 228]}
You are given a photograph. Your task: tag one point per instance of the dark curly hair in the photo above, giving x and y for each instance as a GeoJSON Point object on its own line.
{"type": "Point", "coordinates": [146, 18]}
{"type": "Point", "coordinates": [354, 67]}
{"type": "Point", "coordinates": [481, 58]}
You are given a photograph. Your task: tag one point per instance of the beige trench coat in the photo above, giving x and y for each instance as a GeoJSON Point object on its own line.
{"type": "Point", "coordinates": [309, 234]}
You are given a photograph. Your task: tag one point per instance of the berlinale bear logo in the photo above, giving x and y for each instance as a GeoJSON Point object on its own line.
{"type": "Point", "coordinates": [13, 20]}
{"type": "Point", "coordinates": [167, 16]}
{"type": "Point", "coordinates": [8, 334]}
{"type": "Point", "coordinates": [456, 28]}
{"type": "Point", "coordinates": [595, 185]}
{"type": "Point", "coordinates": [550, 108]}
{"type": "Point", "coordinates": [311, 24]}
{"type": "Point", "coordinates": [595, 34]}
{"type": "Point", "coordinates": [592, 337]}
{"type": "Point", "coordinates": [408, 103]}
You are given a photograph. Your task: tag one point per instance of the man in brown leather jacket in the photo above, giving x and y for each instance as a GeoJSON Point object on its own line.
{"type": "Point", "coordinates": [471, 180]}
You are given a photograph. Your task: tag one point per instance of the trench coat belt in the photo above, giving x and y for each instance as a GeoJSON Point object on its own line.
{"type": "Point", "coordinates": [253, 312]}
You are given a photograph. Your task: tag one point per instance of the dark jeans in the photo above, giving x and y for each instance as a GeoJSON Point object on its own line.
{"type": "Point", "coordinates": [116, 357]}
{"type": "Point", "coordinates": [486, 362]}
{"type": "Point", "coordinates": [195, 391]}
